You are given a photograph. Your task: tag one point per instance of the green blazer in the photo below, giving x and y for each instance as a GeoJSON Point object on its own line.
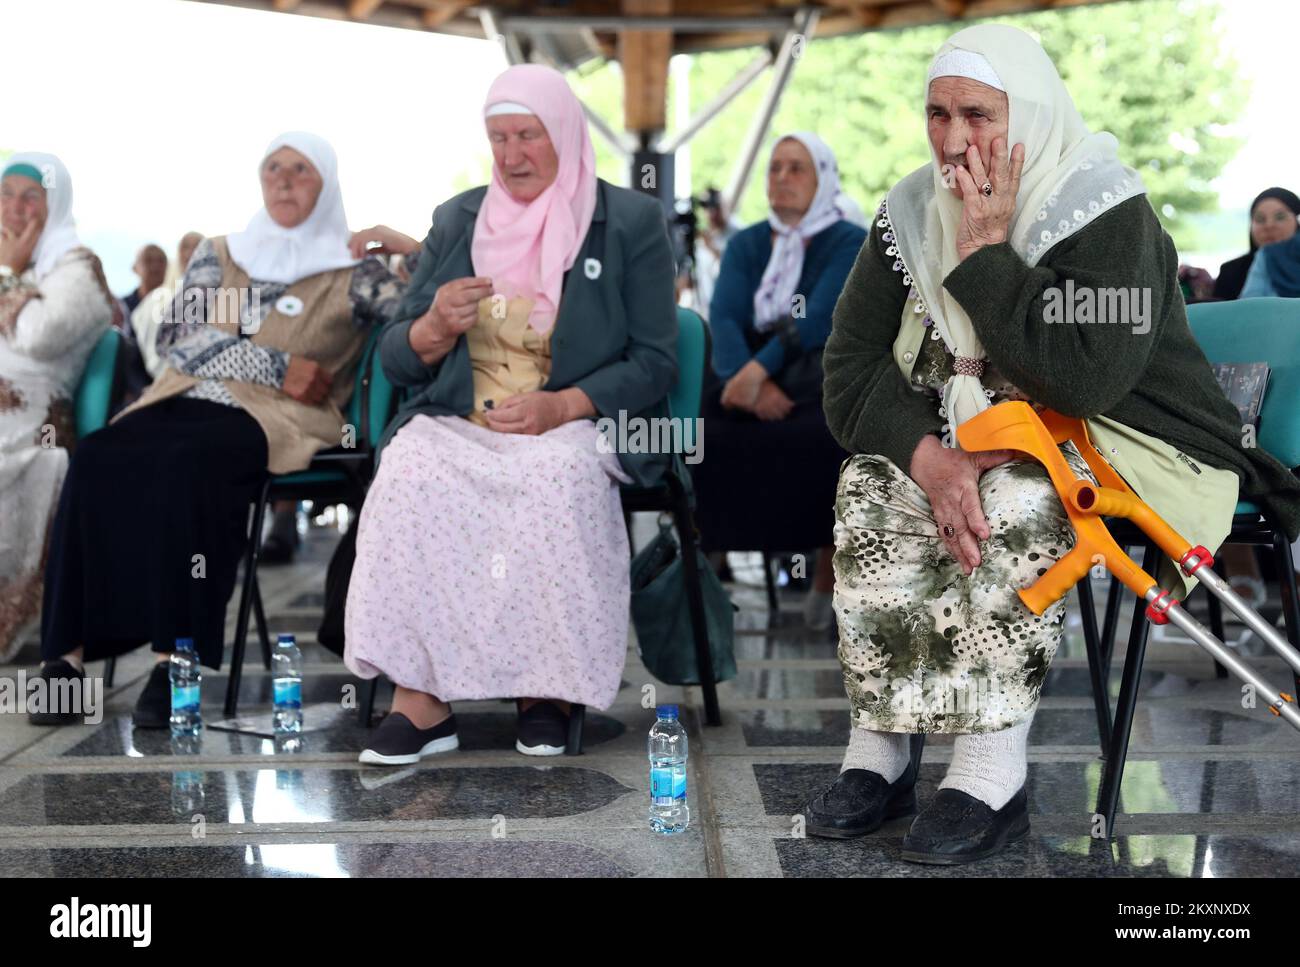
{"type": "Point", "coordinates": [615, 335]}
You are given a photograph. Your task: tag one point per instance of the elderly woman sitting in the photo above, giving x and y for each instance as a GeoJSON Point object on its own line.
{"type": "Point", "coordinates": [956, 303]}
{"type": "Point", "coordinates": [770, 316]}
{"type": "Point", "coordinates": [261, 345]}
{"type": "Point", "coordinates": [492, 558]}
{"type": "Point", "coordinates": [54, 304]}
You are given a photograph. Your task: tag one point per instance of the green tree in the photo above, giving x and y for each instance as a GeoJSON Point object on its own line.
{"type": "Point", "coordinates": [1152, 72]}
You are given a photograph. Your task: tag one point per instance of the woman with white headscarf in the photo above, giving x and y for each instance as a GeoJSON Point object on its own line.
{"type": "Point", "coordinates": [985, 278]}
{"type": "Point", "coordinates": [770, 317]}
{"type": "Point", "coordinates": [261, 346]}
{"type": "Point", "coordinates": [54, 304]}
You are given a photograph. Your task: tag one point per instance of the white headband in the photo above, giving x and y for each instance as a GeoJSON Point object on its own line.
{"type": "Point", "coordinates": [965, 63]}
{"type": "Point", "coordinates": [506, 107]}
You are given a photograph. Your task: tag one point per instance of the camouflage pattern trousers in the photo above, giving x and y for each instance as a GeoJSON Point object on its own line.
{"type": "Point", "coordinates": [923, 647]}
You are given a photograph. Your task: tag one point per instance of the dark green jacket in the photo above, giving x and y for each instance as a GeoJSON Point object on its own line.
{"type": "Point", "coordinates": [615, 336]}
{"type": "Point", "coordinates": [1158, 383]}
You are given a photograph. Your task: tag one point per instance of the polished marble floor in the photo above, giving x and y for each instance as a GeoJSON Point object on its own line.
{"type": "Point", "coordinates": [1211, 788]}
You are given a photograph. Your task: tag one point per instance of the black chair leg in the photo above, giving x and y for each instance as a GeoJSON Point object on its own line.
{"type": "Point", "coordinates": [916, 743]}
{"type": "Point", "coordinates": [1113, 771]}
{"type": "Point", "coordinates": [1290, 594]}
{"type": "Point", "coordinates": [1110, 624]}
{"type": "Point", "coordinates": [259, 615]}
{"type": "Point", "coordinates": [577, 715]}
{"type": "Point", "coordinates": [1096, 669]}
{"type": "Point", "coordinates": [685, 523]}
{"type": "Point", "coordinates": [110, 670]}
{"type": "Point", "coordinates": [366, 708]}
{"type": "Point", "coordinates": [245, 602]}
{"type": "Point", "coordinates": [1215, 609]}
{"type": "Point", "coordinates": [769, 581]}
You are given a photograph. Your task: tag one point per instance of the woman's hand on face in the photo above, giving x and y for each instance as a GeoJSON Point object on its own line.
{"type": "Point", "coordinates": [741, 391]}
{"type": "Point", "coordinates": [306, 381]}
{"type": "Point", "coordinates": [16, 247]}
{"type": "Point", "coordinates": [391, 242]}
{"type": "Point", "coordinates": [772, 403]}
{"type": "Point", "coordinates": [950, 478]}
{"type": "Point", "coordinates": [986, 219]}
{"type": "Point", "coordinates": [529, 413]}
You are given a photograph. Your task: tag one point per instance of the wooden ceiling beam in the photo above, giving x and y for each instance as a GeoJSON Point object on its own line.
{"type": "Point", "coordinates": [644, 56]}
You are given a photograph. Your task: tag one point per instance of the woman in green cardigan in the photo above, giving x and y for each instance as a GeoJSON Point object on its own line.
{"type": "Point", "coordinates": [1023, 262]}
{"type": "Point", "coordinates": [492, 557]}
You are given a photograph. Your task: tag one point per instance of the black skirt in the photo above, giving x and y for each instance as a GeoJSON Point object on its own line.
{"type": "Point", "coordinates": [766, 485]}
{"type": "Point", "coordinates": [150, 529]}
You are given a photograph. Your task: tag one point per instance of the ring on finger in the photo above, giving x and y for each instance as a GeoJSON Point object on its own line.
{"type": "Point", "coordinates": [987, 188]}
{"type": "Point", "coordinates": [949, 531]}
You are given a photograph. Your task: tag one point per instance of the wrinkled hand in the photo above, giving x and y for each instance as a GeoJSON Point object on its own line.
{"type": "Point", "coordinates": [986, 219]}
{"type": "Point", "coordinates": [306, 381]}
{"type": "Point", "coordinates": [453, 311]}
{"type": "Point", "coordinates": [950, 478]}
{"type": "Point", "coordinates": [529, 413]}
{"type": "Point", "coordinates": [16, 247]}
{"type": "Point", "coordinates": [391, 242]}
{"type": "Point", "coordinates": [772, 403]}
{"type": "Point", "coordinates": [741, 391]}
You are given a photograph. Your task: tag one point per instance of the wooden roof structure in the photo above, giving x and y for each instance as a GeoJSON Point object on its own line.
{"type": "Point", "coordinates": [643, 34]}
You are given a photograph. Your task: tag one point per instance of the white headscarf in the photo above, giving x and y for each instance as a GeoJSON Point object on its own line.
{"type": "Point", "coordinates": [1070, 176]}
{"type": "Point", "coordinates": [60, 232]}
{"type": "Point", "coordinates": [772, 300]}
{"type": "Point", "coordinates": [268, 252]}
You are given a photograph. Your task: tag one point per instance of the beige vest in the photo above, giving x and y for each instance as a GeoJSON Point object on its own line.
{"type": "Point", "coordinates": [323, 331]}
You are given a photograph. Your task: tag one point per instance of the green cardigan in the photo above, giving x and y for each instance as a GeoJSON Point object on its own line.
{"type": "Point", "coordinates": [615, 336]}
{"type": "Point", "coordinates": [1158, 383]}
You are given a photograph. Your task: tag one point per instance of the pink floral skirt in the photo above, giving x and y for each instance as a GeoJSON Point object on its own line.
{"type": "Point", "coordinates": [492, 565]}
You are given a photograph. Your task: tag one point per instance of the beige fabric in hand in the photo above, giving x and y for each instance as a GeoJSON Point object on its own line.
{"type": "Point", "coordinates": [508, 356]}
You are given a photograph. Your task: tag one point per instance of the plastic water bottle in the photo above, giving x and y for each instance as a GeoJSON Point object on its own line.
{"type": "Point", "coordinates": [668, 810]}
{"type": "Point", "coordinates": [186, 680]}
{"type": "Point", "coordinates": [286, 684]}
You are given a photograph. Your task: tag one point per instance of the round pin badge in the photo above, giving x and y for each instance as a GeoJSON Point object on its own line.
{"type": "Point", "coordinates": [592, 268]}
{"type": "Point", "coordinates": [289, 305]}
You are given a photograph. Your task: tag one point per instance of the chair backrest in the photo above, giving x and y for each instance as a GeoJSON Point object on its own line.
{"type": "Point", "coordinates": [374, 399]}
{"type": "Point", "coordinates": [1259, 331]}
{"type": "Point", "coordinates": [684, 399]}
{"type": "Point", "coordinates": [100, 382]}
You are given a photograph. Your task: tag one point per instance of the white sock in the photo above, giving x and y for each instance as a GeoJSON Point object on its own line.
{"type": "Point", "coordinates": [886, 753]}
{"type": "Point", "coordinates": [991, 766]}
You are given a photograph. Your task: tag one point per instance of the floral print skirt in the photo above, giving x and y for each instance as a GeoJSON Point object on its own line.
{"type": "Point", "coordinates": [923, 647]}
{"type": "Point", "coordinates": [492, 565]}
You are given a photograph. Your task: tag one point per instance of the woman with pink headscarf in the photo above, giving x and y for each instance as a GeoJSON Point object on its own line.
{"type": "Point", "coordinates": [492, 558]}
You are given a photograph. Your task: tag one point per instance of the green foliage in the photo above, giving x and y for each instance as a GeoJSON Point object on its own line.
{"type": "Point", "coordinates": [1149, 71]}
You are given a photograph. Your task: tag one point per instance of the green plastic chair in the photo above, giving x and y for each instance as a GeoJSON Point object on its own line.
{"type": "Point", "coordinates": [338, 475]}
{"type": "Point", "coordinates": [100, 385]}
{"type": "Point", "coordinates": [1244, 331]}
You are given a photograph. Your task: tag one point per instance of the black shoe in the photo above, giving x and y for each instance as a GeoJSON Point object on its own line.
{"type": "Point", "coordinates": [62, 679]}
{"type": "Point", "coordinates": [153, 709]}
{"type": "Point", "coordinates": [543, 730]}
{"type": "Point", "coordinates": [958, 828]}
{"type": "Point", "coordinates": [397, 742]}
{"type": "Point", "coordinates": [858, 802]}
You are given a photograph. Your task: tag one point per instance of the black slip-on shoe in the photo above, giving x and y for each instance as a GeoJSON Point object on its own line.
{"type": "Point", "coordinates": [543, 730]}
{"type": "Point", "coordinates": [397, 741]}
{"type": "Point", "coordinates": [858, 802]}
{"type": "Point", "coordinates": [153, 709]}
{"type": "Point", "coordinates": [62, 680]}
{"type": "Point", "coordinates": [958, 828]}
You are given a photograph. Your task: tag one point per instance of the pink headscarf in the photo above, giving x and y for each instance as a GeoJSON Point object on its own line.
{"type": "Point", "coordinates": [526, 247]}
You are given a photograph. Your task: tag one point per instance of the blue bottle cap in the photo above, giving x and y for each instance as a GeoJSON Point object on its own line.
{"type": "Point", "coordinates": [184, 644]}
{"type": "Point", "coordinates": [281, 639]}
{"type": "Point", "coordinates": [666, 711]}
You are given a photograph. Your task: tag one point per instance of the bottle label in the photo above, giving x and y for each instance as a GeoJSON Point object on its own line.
{"type": "Point", "coordinates": [665, 785]}
{"type": "Point", "coordinates": [185, 697]}
{"type": "Point", "coordinates": [288, 694]}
